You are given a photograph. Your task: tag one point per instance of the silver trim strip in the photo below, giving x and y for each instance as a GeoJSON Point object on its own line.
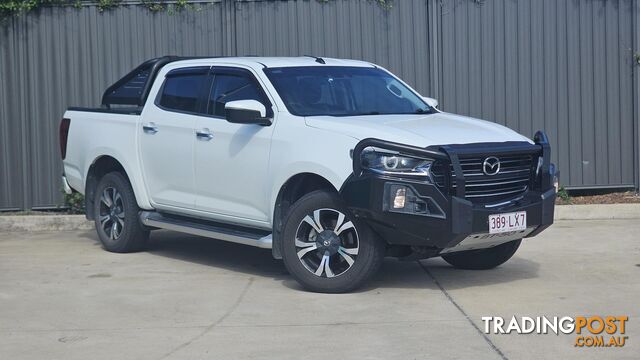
{"type": "Point", "coordinates": [474, 163]}
{"type": "Point", "coordinates": [477, 184]}
{"type": "Point", "coordinates": [485, 240]}
{"type": "Point", "coordinates": [503, 203]}
{"type": "Point", "coordinates": [157, 220]}
{"type": "Point", "coordinates": [501, 172]}
{"type": "Point", "coordinates": [498, 193]}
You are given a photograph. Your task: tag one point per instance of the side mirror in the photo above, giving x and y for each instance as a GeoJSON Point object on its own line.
{"type": "Point", "coordinates": [430, 101]}
{"type": "Point", "coordinates": [246, 112]}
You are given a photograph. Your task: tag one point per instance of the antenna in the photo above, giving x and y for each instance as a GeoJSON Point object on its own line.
{"type": "Point", "coordinates": [319, 60]}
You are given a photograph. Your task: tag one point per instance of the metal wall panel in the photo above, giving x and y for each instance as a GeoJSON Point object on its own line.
{"type": "Point", "coordinates": [564, 66]}
{"type": "Point", "coordinates": [636, 85]}
{"type": "Point", "coordinates": [396, 39]}
{"type": "Point", "coordinates": [60, 57]}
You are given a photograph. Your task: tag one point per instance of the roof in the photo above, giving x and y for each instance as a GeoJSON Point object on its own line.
{"type": "Point", "coordinates": [274, 62]}
{"type": "Point", "coordinates": [133, 88]}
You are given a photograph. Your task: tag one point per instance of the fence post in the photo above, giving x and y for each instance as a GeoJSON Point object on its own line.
{"type": "Point", "coordinates": [229, 27]}
{"type": "Point", "coordinates": [435, 29]}
{"type": "Point", "coordinates": [635, 20]}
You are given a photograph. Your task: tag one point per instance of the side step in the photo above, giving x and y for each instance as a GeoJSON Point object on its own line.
{"type": "Point", "coordinates": [261, 239]}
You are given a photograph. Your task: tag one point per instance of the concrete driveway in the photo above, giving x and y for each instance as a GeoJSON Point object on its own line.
{"type": "Point", "coordinates": [63, 297]}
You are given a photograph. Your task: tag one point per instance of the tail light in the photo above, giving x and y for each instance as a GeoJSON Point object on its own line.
{"type": "Point", "coordinates": [64, 135]}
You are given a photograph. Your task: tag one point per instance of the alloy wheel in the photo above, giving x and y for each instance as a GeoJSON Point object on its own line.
{"type": "Point", "coordinates": [327, 243]}
{"type": "Point", "coordinates": [111, 213]}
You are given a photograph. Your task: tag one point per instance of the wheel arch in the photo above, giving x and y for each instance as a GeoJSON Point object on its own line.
{"type": "Point", "coordinates": [293, 189]}
{"type": "Point", "coordinates": [101, 166]}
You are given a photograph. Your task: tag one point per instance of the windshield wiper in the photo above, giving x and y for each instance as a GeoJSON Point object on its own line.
{"type": "Point", "coordinates": [366, 113]}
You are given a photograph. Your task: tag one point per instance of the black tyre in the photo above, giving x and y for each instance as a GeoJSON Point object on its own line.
{"type": "Point", "coordinates": [325, 248]}
{"type": "Point", "coordinates": [483, 259]}
{"type": "Point", "coordinates": [116, 215]}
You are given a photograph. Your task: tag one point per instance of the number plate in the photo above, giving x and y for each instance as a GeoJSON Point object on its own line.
{"type": "Point", "coordinates": [500, 223]}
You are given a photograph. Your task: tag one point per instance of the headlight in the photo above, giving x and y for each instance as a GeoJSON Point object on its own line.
{"type": "Point", "coordinates": [395, 164]}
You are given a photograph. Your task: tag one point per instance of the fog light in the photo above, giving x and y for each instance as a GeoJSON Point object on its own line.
{"type": "Point", "coordinates": [400, 198]}
{"type": "Point", "coordinates": [404, 199]}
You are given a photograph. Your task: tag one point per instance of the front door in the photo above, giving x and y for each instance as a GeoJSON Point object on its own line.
{"type": "Point", "coordinates": [231, 160]}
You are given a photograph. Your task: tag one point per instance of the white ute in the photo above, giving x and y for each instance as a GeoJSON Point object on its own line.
{"type": "Point", "coordinates": [333, 164]}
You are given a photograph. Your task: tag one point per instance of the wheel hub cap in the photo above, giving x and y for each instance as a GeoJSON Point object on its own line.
{"type": "Point", "coordinates": [328, 241]}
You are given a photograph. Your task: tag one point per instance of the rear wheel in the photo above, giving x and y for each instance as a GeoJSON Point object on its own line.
{"type": "Point", "coordinates": [483, 259]}
{"type": "Point", "coordinates": [325, 248]}
{"type": "Point", "coordinates": [116, 215]}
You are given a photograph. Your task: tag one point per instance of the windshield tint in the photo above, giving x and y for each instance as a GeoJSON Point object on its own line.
{"type": "Point", "coordinates": [343, 91]}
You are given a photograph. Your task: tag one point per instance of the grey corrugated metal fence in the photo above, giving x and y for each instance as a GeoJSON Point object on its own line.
{"type": "Point", "coordinates": [565, 66]}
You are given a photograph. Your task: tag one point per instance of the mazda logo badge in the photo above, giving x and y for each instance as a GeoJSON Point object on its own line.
{"type": "Point", "coordinates": [491, 165]}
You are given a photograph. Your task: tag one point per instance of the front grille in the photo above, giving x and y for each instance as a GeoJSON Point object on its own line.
{"type": "Point", "coordinates": [511, 181]}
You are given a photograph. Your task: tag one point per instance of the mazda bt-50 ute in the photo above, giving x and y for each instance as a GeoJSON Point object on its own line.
{"type": "Point", "coordinates": [332, 164]}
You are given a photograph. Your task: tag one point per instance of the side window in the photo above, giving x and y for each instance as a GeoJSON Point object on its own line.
{"type": "Point", "coordinates": [231, 87]}
{"type": "Point", "coordinates": [181, 92]}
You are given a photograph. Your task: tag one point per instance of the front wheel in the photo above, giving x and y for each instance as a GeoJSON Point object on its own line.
{"type": "Point", "coordinates": [325, 248]}
{"type": "Point", "coordinates": [483, 259]}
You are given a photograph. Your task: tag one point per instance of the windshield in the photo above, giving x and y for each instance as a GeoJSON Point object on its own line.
{"type": "Point", "coordinates": [343, 91]}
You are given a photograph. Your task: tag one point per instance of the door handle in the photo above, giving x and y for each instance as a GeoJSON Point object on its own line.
{"type": "Point", "coordinates": [204, 134]}
{"type": "Point", "coordinates": [150, 128]}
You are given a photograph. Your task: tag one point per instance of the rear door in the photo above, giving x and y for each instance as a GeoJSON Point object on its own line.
{"type": "Point", "coordinates": [167, 138]}
{"type": "Point", "coordinates": [232, 159]}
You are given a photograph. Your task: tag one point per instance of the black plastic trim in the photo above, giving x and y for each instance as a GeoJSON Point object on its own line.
{"type": "Point", "coordinates": [386, 206]}
{"type": "Point", "coordinates": [257, 232]}
{"type": "Point", "coordinates": [191, 70]}
{"type": "Point", "coordinates": [546, 178]}
{"type": "Point", "coordinates": [121, 111]}
{"type": "Point", "coordinates": [240, 116]}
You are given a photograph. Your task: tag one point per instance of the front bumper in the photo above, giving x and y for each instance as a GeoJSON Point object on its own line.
{"type": "Point", "coordinates": [454, 217]}
{"type": "Point", "coordinates": [365, 198]}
